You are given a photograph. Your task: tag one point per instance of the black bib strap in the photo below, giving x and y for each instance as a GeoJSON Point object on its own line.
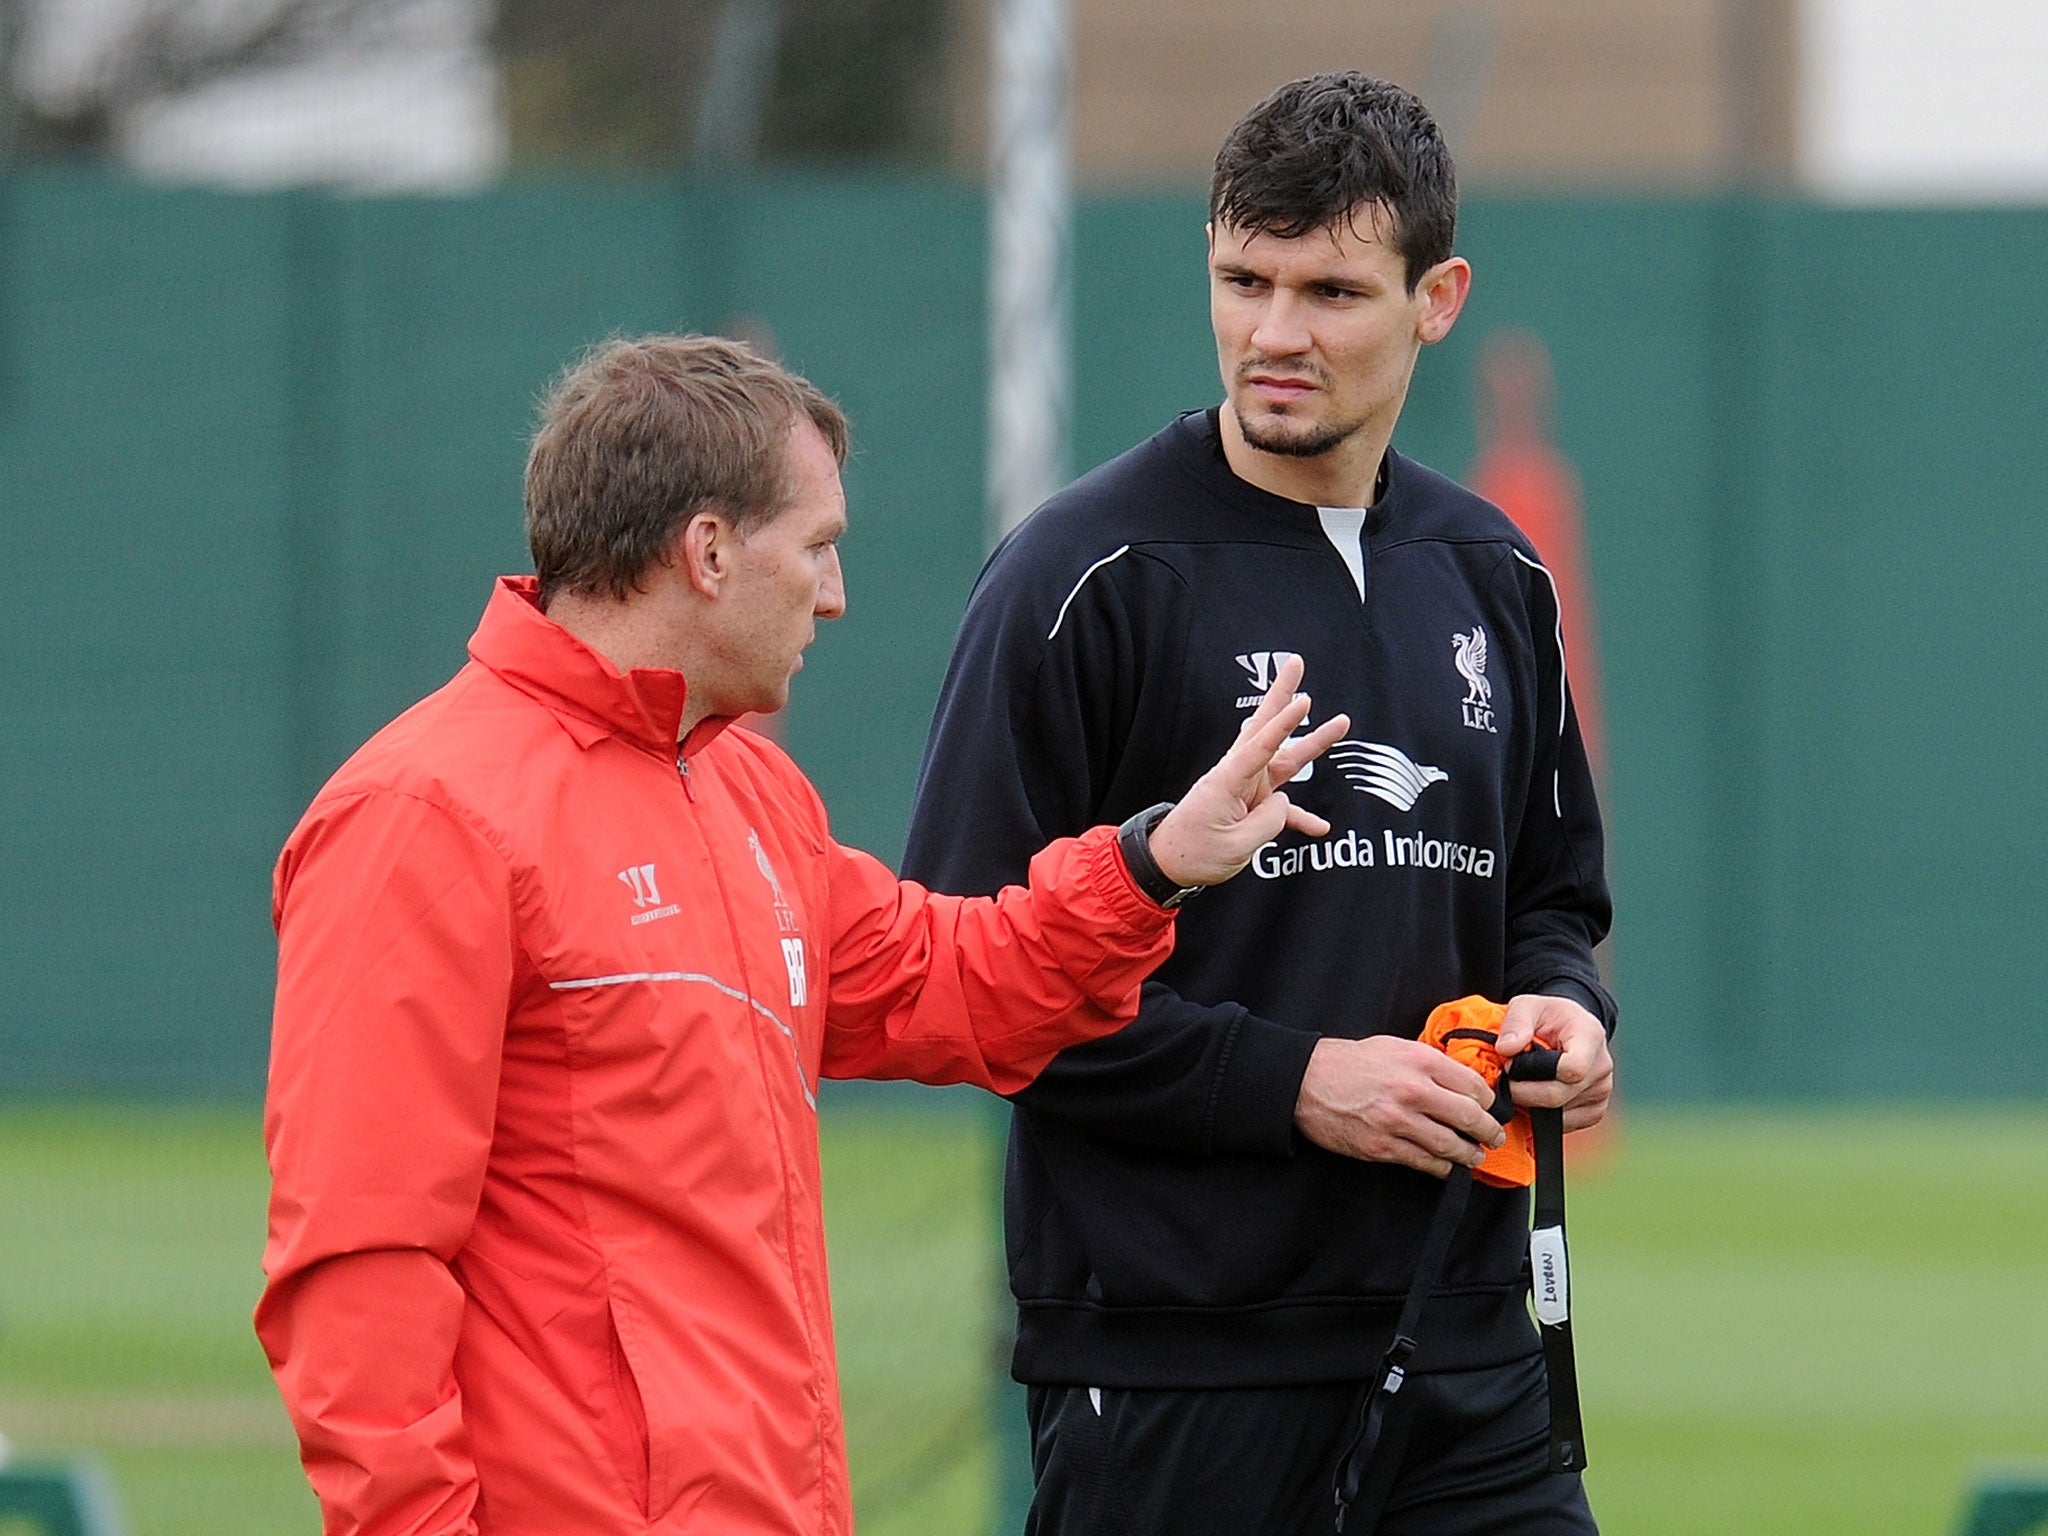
{"type": "Point", "coordinates": [1365, 1472]}
{"type": "Point", "coordinates": [1550, 1284]}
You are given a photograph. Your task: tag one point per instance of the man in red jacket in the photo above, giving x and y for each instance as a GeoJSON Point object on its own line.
{"type": "Point", "coordinates": [562, 957]}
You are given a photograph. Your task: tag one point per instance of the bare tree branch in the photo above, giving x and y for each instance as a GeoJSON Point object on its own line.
{"type": "Point", "coordinates": [168, 51]}
{"type": "Point", "coordinates": [171, 47]}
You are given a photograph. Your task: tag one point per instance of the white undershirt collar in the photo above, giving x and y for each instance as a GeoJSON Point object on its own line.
{"type": "Point", "coordinates": [1344, 527]}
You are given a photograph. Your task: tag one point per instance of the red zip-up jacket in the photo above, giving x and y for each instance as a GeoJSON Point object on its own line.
{"type": "Point", "coordinates": [554, 997]}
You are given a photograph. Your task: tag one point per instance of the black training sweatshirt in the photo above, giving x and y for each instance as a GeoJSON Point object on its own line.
{"type": "Point", "coordinates": [1166, 1225]}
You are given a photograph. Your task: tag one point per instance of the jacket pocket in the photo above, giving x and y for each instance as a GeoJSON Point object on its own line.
{"type": "Point", "coordinates": [623, 1422]}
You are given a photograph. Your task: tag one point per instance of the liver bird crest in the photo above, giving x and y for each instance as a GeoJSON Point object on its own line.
{"type": "Point", "coordinates": [1469, 651]}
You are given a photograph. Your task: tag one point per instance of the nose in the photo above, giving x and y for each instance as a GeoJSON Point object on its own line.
{"type": "Point", "coordinates": [831, 588]}
{"type": "Point", "coordinates": [1282, 330]}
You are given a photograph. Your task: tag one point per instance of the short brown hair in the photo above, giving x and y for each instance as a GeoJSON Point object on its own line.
{"type": "Point", "coordinates": [641, 434]}
{"type": "Point", "coordinates": [1326, 147]}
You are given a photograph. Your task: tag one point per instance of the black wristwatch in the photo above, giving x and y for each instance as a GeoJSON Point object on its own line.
{"type": "Point", "coordinates": [1135, 838]}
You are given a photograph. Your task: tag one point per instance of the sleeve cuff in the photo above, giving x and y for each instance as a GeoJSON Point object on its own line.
{"type": "Point", "coordinates": [1257, 1086]}
{"type": "Point", "coordinates": [1118, 885]}
{"type": "Point", "coordinates": [1583, 995]}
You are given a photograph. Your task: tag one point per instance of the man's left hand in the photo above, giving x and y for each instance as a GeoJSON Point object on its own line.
{"type": "Point", "coordinates": [1585, 1069]}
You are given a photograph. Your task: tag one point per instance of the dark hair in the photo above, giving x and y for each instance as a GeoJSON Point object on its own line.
{"type": "Point", "coordinates": [639, 435]}
{"type": "Point", "coordinates": [1321, 149]}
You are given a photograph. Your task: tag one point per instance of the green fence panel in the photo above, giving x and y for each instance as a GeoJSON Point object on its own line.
{"type": "Point", "coordinates": [449, 319]}
{"type": "Point", "coordinates": [71, 1499]}
{"type": "Point", "coordinates": [142, 456]}
{"type": "Point", "coordinates": [873, 288]}
{"type": "Point", "coordinates": [260, 456]}
{"type": "Point", "coordinates": [1899, 866]}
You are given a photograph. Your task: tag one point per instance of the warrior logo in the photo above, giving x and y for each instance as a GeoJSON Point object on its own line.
{"type": "Point", "coordinates": [639, 879]}
{"type": "Point", "coordinates": [1263, 666]}
{"type": "Point", "coordinates": [1469, 652]}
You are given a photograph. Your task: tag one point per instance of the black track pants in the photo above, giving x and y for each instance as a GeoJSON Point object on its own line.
{"type": "Point", "coordinates": [1262, 1461]}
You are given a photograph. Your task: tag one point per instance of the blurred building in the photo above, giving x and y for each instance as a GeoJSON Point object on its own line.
{"type": "Point", "coordinates": [1564, 93]}
{"type": "Point", "coordinates": [727, 83]}
{"type": "Point", "coordinates": [1868, 100]}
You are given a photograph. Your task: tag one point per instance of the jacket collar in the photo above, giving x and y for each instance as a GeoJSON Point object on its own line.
{"type": "Point", "coordinates": [592, 698]}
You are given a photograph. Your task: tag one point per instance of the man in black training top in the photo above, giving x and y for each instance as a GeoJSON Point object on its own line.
{"type": "Point", "coordinates": [1213, 1217]}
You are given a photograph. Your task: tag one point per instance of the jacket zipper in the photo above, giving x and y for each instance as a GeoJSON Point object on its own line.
{"type": "Point", "coordinates": [797, 1233]}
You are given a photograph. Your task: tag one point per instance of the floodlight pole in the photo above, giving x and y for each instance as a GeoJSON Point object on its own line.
{"type": "Point", "coordinates": [1030, 256]}
{"type": "Point", "coordinates": [13, 28]}
{"type": "Point", "coordinates": [13, 25]}
{"type": "Point", "coordinates": [1031, 216]}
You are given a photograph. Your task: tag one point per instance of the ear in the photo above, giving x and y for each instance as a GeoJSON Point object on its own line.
{"type": "Point", "coordinates": [702, 552]}
{"type": "Point", "coordinates": [1443, 291]}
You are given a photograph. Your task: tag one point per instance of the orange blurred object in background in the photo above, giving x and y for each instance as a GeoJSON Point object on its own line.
{"type": "Point", "coordinates": [1521, 471]}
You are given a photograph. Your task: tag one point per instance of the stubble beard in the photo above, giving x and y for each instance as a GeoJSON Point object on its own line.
{"type": "Point", "coordinates": [1294, 439]}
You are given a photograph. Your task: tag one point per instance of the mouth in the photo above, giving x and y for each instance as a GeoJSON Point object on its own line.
{"type": "Point", "coordinates": [1281, 388]}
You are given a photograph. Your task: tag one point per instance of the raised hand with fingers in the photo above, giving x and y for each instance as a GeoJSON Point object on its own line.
{"type": "Point", "coordinates": [1238, 805]}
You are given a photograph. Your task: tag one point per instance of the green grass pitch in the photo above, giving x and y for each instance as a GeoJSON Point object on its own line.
{"type": "Point", "coordinates": [1790, 1323]}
